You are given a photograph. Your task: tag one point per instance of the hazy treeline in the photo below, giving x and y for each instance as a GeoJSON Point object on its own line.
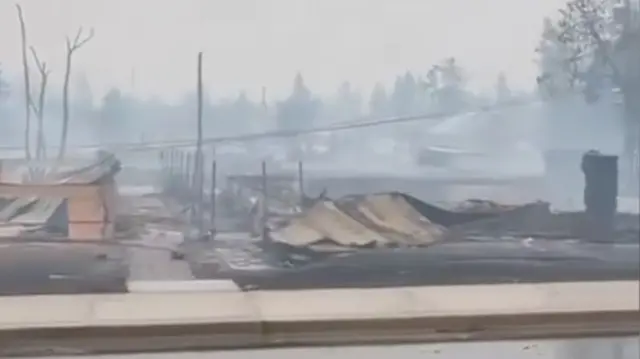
{"type": "Point", "coordinates": [581, 56]}
{"type": "Point", "coordinates": [120, 116]}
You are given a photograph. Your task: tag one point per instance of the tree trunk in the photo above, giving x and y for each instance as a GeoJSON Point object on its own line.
{"type": "Point", "coordinates": [27, 83]}
{"type": "Point", "coordinates": [40, 144]}
{"type": "Point", "coordinates": [65, 109]}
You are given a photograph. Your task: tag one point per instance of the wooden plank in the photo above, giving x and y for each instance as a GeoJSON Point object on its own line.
{"type": "Point", "coordinates": [9, 190]}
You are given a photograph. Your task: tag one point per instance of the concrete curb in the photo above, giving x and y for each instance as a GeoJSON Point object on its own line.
{"type": "Point", "coordinates": [227, 319]}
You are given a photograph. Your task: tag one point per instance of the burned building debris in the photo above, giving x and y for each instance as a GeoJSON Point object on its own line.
{"type": "Point", "coordinates": [393, 238]}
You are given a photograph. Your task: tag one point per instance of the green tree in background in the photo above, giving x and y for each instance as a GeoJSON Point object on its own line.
{"type": "Point", "coordinates": [113, 116]}
{"type": "Point", "coordinates": [405, 95]}
{"type": "Point", "coordinates": [445, 86]}
{"type": "Point", "coordinates": [600, 43]}
{"type": "Point", "coordinates": [379, 101]}
{"type": "Point", "coordinates": [554, 63]}
{"type": "Point", "coordinates": [300, 109]}
{"type": "Point", "coordinates": [244, 113]}
{"type": "Point", "coordinates": [451, 94]}
{"type": "Point", "coordinates": [347, 104]}
{"type": "Point", "coordinates": [503, 92]}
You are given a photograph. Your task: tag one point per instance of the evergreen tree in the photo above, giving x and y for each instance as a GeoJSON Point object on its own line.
{"type": "Point", "coordinates": [503, 92]}
{"type": "Point", "coordinates": [299, 110]}
{"type": "Point", "coordinates": [379, 101]}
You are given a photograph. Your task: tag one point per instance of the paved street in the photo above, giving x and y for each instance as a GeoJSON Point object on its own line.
{"type": "Point", "coordinates": [154, 262]}
{"type": "Point", "coordinates": [626, 348]}
{"type": "Point", "coordinates": [56, 268]}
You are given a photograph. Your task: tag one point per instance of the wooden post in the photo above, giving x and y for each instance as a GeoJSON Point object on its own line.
{"type": "Point", "coordinates": [213, 199]}
{"type": "Point", "coordinates": [164, 171]}
{"type": "Point", "coordinates": [169, 171]}
{"type": "Point", "coordinates": [163, 161]}
{"type": "Point", "coordinates": [187, 187]}
{"type": "Point", "coordinates": [301, 184]}
{"type": "Point", "coordinates": [187, 172]}
{"type": "Point", "coordinates": [264, 205]}
{"type": "Point", "coordinates": [180, 172]}
{"type": "Point", "coordinates": [172, 159]}
{"type": "Point", "coordinates": [194, 179]}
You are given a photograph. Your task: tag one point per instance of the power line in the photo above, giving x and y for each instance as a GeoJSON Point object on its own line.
{"type": "Point", "coordinates": [349, 125]}
{"type": "Point", "coordinates": [333, 128]}
{"type": "Point", "coordinates": [283, 133]}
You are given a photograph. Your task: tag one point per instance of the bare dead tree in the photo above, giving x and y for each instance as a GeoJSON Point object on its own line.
{"type": "Point", "coordinates": [27, 89]}
{"type": "Point", "coordinates": [38, 108]}
{"type": "Point", "coordinates": [72, 47]}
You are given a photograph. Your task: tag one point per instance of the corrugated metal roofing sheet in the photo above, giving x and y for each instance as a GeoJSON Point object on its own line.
{"type": "Point", "coordinates": [17, 206]}
{"type": "Point", "coordinates": [106, 164]}
{"type": "Point", "coordinates": [386, 219]}
{"type": "Point", "coordinates": [40, 212]}
{"type": "Point", "coordinates": [76, 171]}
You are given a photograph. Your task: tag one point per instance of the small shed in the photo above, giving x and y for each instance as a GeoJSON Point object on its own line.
{"type": "Point", "coordinates": [82, 194]}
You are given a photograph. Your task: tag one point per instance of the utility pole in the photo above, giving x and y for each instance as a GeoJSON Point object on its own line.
{"type": "Point", "coordinates": [188, 179]}
{"type": "Point", "coordinates": [198, 170]}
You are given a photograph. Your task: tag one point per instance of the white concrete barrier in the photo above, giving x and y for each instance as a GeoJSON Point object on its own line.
{"type": "Point", "coordinates": [223, 318]}
{"type": "Point", "coordinates": [181, 286]}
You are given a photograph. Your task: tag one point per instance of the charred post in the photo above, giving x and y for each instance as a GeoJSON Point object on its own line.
{"type": "Point", "coordinates": [264, 207]}
{"type": "Point", "coordinates": [186, 185]}
{"type": "Point", "coordinates": [212, 213]}
{"type": "Point", "coordinates": [301, 184]}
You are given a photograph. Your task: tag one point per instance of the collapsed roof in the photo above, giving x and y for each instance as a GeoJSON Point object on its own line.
{"type": "Point", "coordinates": [361, 221]}
{"type": "Point", "coordinates": [379, 220]}
{"type": "Point", "coordinates": [20, 213]}
{"type": "Point", "coordinates": [81, 171]}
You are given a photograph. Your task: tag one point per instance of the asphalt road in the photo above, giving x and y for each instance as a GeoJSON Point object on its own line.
{"type": "Point", "coordinates": [76, 268]}
{"type": "Point", "coordinates": [618, 348]}
{"type": "Point", "coordinates": [147, 263]}
{"type": "Point", "coordinates": [57, 268]}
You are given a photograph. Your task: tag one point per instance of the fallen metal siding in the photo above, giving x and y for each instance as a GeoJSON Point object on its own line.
{"type": "Point", "coordinates": [40, 212]}
{"type": "Point", "coordinates": [361, 221]}
{"type": "Point", "coordinates": [17, 206]}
